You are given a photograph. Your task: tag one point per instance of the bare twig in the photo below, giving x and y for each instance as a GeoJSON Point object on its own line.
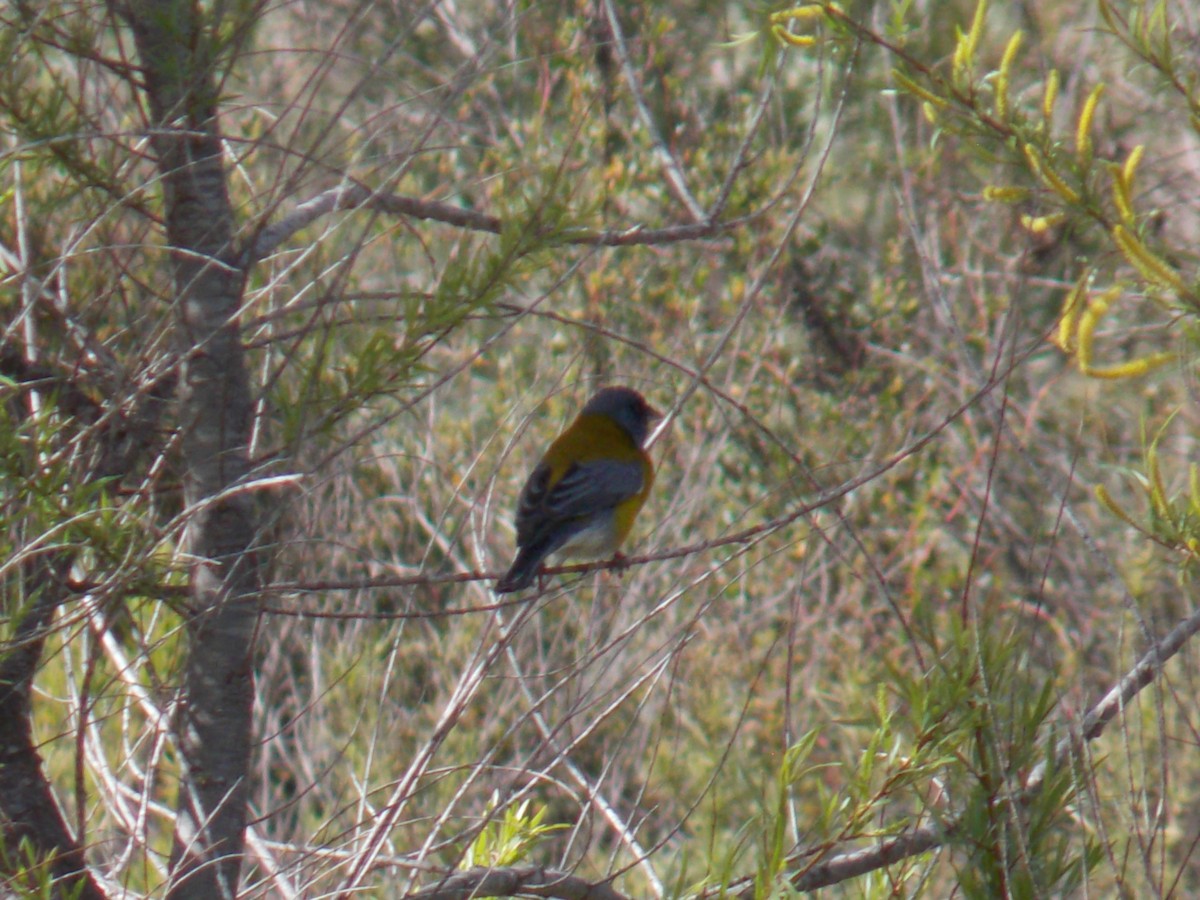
{"type": "Point", "coordinates": [471, 679]}
{"type": "Point", "coordinates": [526, 881]}
{"type": "Point", "coordinates": [741, 157]}
{"type": "Point", "coordinates": [357, 196]}
{"type": "Point", "coordinates": [671, 167]}
{"type": "Point", "coordinates": [354, 196]}
{"type": "Point", "coordinates": [562, 749]}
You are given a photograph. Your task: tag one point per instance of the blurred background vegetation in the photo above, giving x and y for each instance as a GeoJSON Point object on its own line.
{"type": "Point", "coordinates": [925, 494]}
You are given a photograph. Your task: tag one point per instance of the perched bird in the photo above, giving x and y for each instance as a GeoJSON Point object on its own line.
{"type": "Point", "coordinates": [584, 494]}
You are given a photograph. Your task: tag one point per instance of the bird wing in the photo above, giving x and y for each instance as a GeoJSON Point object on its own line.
{"type": "Point", "coordinates": [584, 489]}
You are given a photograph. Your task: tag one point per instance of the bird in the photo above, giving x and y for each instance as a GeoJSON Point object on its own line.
{"type": "Point", "coordinates": [583, 496]}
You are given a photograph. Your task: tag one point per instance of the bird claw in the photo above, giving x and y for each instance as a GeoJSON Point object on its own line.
{"type": "Point", "coordinates": [619, 563]}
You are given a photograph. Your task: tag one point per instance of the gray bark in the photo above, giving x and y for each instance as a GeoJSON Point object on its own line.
{"type": "Point", "coordinates": [177, 61]}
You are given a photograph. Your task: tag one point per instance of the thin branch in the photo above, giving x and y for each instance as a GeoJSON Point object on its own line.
{"type": "Point", "coordinates": [1128, 687]}
{"type": "Point", "coordinates": [526, 881]}
{"type": "Point", "coordinates": [357, 196]}
{"type": "Point", "coordinates": [354, 196]}
{"type": "Point", "coordinates": [671, 167]}
{"type": "Point", "coordinates": [470, 680]}
{"type": "Point", "coordinates": [562, 754]}
{"type": "Point", "coordinates": [741, 157]}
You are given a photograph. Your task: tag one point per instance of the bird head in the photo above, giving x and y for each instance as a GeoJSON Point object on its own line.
{"type": "Point", "coordinates": [627, 408]}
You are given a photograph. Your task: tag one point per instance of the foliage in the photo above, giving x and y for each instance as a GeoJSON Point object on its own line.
{"type": "Point", "coordinates": [510, 838]}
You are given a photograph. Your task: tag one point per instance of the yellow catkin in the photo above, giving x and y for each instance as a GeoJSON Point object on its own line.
{"type": "Point", "coordinates": [799, 13]}
{"type": "Point", "coordinates": [913, 88]}
{"type": "Point", "coordinates": [1072, 309]}
{"type": "Point", "coordinates": [1089, 318]}
{"type": "Point", "coordinates": [806, 13]}
{"type": "Point", "coordinates": [1042, 224]}
{"type": "Point", "coordinates": [1123, 184]}
{"type": "Point", "coordinates": [964, 50]}
{"type": "Point", "coordinates": [1083, 130]}
{"type": "Point", "coordinates": [1131, 163]}
{"type": "Point", "coordinates": [1005, 194]}
{"type": "Point", "coordinates": [1031, 157]}
{"type": "Point", "coordinates": [1002, 77]}
{"type": "Point", "coordinates": [958, 64]}
{"type": "Point", "coordinates": [1060, 187]}
{"type": "Point", "coordinates": [1151, 267]}
{"type": "Point", "coordinates": [1132, 369]}
{"type": "Point", "coordinates": [1111, 505]}
{"type": "Point", "coordinates": [977, 26]}
{"type": "Point", "coordinates": [1049, 177]}
{"type": "Point", "coordinates": [1050, 94]}
{"type": "Point", "coordinates": [796, 40]}
{"type": "Point", "coordinates": [1121, 199]}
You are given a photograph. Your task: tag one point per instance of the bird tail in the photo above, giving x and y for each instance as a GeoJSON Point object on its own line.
{"type": "Point", "coordinates": [520, 574]}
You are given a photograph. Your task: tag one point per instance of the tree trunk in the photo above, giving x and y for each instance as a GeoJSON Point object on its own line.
{"type": "Point", "coordinates": [28, 807]}
{"type": "Point", "coordinates": [176, 54]}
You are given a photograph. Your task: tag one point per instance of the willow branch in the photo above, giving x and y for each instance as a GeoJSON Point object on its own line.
{"type": "Point", "coordinates": [356, 196]}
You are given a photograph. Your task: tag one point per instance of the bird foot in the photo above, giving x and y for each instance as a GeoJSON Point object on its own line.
{"type": "Point", "coordinates": [618, 564]}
